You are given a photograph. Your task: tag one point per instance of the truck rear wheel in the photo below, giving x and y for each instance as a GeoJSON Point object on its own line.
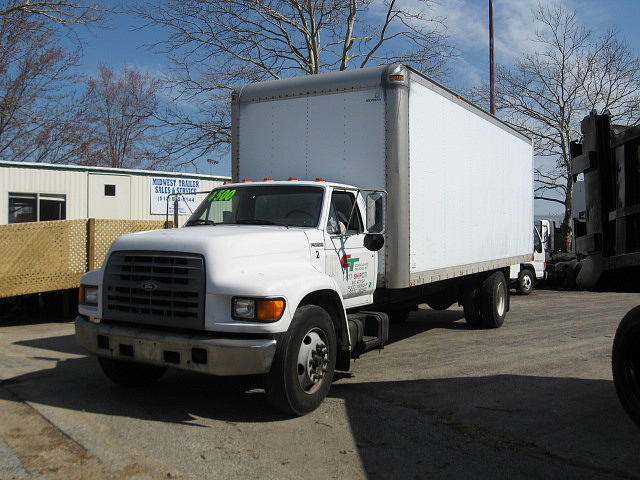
{"type": "Point", "coordinates": [625, 363]}
{"type": "Point", "coordinates": [130, 374]}
{"type": "Point", "coordinates": [493, 298]}
{"type": "Point", "coordinates": [525, 283]}
{"type": "Point", "coordinates": [303, 366]}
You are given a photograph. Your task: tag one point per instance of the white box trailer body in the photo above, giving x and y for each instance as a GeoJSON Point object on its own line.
{"type": "Point", "coordinates": [459, 181]}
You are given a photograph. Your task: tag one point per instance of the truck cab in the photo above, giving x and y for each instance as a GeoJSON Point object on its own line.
{"type": "Point", "coordinates": [219, 294]}
{"type": "Point", "coordinates": [524, 276]}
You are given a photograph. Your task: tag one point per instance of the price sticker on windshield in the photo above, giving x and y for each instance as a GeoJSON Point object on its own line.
{"type": "Point", "coordinates": [221, 195]}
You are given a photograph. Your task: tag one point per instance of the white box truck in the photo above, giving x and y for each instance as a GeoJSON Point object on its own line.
{"type": "Point", "coordinates": [357, 196]}
{"type": "Point", "coordinates": [524, 276]}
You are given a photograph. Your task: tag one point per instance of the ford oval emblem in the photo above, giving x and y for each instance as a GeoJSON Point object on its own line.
{"type": "Point", "coordinates": [148, 286]}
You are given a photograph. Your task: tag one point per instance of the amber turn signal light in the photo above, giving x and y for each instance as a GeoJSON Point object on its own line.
{"type": "Point", "coordinates": [269, 310]}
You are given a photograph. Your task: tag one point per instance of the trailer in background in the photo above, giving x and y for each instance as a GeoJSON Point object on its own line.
{"type": "Point", "coordinates": [608, 235]}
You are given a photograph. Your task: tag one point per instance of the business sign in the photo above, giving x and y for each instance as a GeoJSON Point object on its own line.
{"type": "Point", "coordinates": [161, 187]}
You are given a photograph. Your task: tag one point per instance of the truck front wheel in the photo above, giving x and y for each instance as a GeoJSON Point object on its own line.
{"type": "Point", "coordinates": [304, 362]}
{"type": "Point", "coordinates": [130, 374]}
{"type": "Point", "coordinates": [493, 300]}
{"type": "Point", "coordinates": [525, 282]}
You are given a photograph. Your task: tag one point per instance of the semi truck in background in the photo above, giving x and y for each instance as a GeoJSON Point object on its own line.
{"type": "Point", "coordinates": [356, 196]}
{"type": "Point", "coordinates": [524, 276]}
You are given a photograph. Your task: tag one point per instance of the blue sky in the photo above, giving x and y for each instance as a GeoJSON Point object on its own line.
{"type": "Point", "coordinates": [124, 43]}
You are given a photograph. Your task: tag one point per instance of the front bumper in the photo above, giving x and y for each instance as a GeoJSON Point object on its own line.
{"type": "Point", "coordinates": [200, 353]}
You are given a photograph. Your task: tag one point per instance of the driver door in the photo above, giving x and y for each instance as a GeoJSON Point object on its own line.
{"type": "Point", "coordinates": [346, 259]}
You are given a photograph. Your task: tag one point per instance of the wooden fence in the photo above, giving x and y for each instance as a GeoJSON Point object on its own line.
{"type": "Point", "coordinates": [45, 256]}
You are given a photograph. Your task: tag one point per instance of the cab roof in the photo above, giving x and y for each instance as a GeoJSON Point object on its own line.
{"type": "Point", "coordinates": [289, 183]}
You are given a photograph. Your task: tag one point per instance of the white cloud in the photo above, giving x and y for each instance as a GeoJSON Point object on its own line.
{"type": "Point", "coordinates": [468, 24]}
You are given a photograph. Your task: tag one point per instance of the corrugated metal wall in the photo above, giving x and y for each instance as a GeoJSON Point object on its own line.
{"type": "Point", "coordinates": [73, 184]}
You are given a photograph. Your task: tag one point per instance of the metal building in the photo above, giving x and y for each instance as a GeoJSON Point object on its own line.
{"type": "Point", "coordinates": [32, 192]}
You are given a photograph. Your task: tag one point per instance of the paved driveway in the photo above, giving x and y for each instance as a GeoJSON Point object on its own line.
{"type": "Point", "coordinates": [534, 398]}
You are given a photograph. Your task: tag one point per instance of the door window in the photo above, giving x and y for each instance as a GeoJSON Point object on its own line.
{"type": "Point", "coordinates": [339, 213]}
{"type": "Point", "coordinates": [537, 244]}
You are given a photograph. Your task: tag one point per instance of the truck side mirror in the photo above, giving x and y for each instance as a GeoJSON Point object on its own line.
{"type": "Point", "coordinates": [375, 204]}
{"type": "Point", "coordinates": [373, 241]}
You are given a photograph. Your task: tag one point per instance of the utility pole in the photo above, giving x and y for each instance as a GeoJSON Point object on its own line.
{"type": "Point", "coordinates": [492, 65]}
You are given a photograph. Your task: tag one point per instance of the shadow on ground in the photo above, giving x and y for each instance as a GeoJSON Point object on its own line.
{"type": "Point", "coordinates": [425, 320]}
{"type": "Point", "coordinates": [577, 422]}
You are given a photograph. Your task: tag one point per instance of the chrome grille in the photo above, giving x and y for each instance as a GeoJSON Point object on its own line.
{"type": "Point", "coordinates": [155, 288]}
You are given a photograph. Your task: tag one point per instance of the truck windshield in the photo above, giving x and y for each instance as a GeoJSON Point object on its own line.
{"type": "Point", "coordinates": [291, 206]}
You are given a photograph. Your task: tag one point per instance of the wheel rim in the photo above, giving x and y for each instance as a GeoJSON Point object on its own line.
{"type": "Point", "coordinates": [526, 281]}
{"type": "Point", "coordinates": [313, 358]}
{"type": "Point", "coordinates": [501, 303]}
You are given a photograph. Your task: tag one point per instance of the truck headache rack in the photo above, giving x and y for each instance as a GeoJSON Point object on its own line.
{"type": "Point", "coordinates": [155, 288]}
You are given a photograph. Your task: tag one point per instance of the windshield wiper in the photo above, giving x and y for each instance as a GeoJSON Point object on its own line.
{"type": "Point", "coordinates": [255, 221]}
{"type": "Point", "coordinates": [199, 221]}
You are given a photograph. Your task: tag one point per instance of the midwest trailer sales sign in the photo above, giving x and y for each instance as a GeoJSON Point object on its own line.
{"type": "Point", "coordinates": [161, 187]}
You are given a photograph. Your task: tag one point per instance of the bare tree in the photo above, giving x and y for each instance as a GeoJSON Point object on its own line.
{"type": "Point", "coordinates": [545, 95]}
{"type": "Point", "coordinates": [34, 83]}
{"type": "Point", "coordinates": [218, 45]}
{"type": "Point", "coordinates": [60, 11]}
{"type": "Point", "coordinates": [117, 120]}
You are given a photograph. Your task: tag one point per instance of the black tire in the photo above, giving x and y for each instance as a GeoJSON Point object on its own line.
{"type": "Point", "coordinates": [471, 308]}
{"type": "Point", "coordinates": [398, 315]}
{"type": "Point", "coordinates": [526, 281]}
{"type": "Point", "coordinates": [493, 300]}
{"type": "Point", "coordinates": [130, 374]}
{"type": "Point", "coordinates": [283, 386]}
{"type": "Point", "coordinates": [625, 363]}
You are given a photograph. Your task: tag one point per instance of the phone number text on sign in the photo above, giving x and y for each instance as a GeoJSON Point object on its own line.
{"type": "Point", "coordinates": [161, 187]}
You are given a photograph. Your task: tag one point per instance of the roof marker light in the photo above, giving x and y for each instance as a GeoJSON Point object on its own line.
{"type": "Point", "coordinates": [319, 179]}
{"type": "Point", "coordinates": [267, 179]}
{"type": "Point", "coordinates": [245, 180]}
{"type": "Point", "coordinates": [293, 178]}
{"type": "Point", "coordinates": [396, 77]}
{"type": "Point", "coordinates": [227, 182]}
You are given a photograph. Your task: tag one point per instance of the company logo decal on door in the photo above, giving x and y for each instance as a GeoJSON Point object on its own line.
{"type": "Point", "coordinates": [347, 262]}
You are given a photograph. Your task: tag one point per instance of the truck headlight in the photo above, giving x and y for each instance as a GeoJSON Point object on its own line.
{"type": "Point", "coordinates": [258, 309]}
{"type": "Point", "coordinates": [88, 295]}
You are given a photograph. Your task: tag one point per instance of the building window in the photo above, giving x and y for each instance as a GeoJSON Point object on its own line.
{"type": "Point", "coordinates": [109, 190]}
{"type": "Point", "coordinates": [23, 207]}
{"type": "Point", "coordinates": [52, 207]}
{"type": "Point", "coordinates": [33, 207]}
